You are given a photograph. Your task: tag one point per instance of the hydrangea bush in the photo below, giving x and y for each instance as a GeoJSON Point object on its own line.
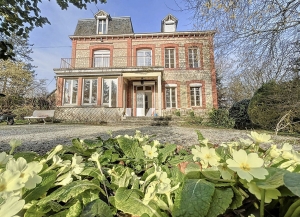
{"type": "Point", "coordinates": [138, 176]}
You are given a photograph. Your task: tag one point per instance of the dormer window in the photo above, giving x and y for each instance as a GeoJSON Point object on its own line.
{"type": "Point", "coordinates": [102, 27]}
{"type": "Point", "coordinates": [102, 22]}
{"type": "Point", "coordinates": [169, 24]}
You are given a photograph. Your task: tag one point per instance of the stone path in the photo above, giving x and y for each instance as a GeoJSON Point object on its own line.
{"type": "Point", "coordinates": [41, 138]}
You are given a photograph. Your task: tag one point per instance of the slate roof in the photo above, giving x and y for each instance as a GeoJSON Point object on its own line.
{"type": "Point", "coordinates": [116, 26]}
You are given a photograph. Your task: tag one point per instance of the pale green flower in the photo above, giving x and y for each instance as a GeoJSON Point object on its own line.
{"type": "Point", "coordinates": [15, 143]}
{"type": "Point", "coordinates": [57, 149]}
{"type": "Point", "coordinates": [77, 166]}
{"type": "Point", "coordinates": [251, 215]}
{"type": "Point", "coordinates": [260, 138]}
{"type": "Point", "coordinates": [11, 206]}
{"type": "Point", "coordinates": [208, 155]}
{"type": "Point", "coordinates": [10, 181]}
{"type": "Point", "coordinates": [28, 171]}
{"type": "Point", "coordinates": [225, 172]}
{"type": "Point", "coordinates": [293, 160]}
{"type": "Point", "coordinates": [246, 165]}
{"type": "Point", "coordinates": [150, 193]}
{"type": "Point", "coordinates": [150, 152]}
{"type": "Point", "coordinates": [94, 157]}
{"type": "Point", "coordinates": [4, 158]}
{"type": "Point", "coordinates": [155, 143]}
{"type": "Point", "coordinates": [247, 142]}
{"type": "Point", "coordinates": [269, 193]}
{"type": "Point", "coordinates": [274, 151]}
{"type": "Point", "coordinates": [64, 179]}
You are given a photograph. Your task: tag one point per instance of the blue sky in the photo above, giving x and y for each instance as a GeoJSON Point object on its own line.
{"type": "Point", "coordinates": [51, 43]}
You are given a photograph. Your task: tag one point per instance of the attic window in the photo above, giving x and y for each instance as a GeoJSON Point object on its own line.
{"type": "Point", "coordinates": [102, 26]}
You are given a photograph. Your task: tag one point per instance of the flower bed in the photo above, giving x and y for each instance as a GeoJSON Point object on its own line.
{"type": "Point", "coordinates": [141, 177]}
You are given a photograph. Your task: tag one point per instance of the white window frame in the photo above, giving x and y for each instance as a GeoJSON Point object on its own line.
{"type": "Point", "coordinates": [90, 91]}
{"type": "Point", "coordinates": [143, 58]}
{"type": "Point", "coordinates": [101, 58]}
{"type": "Point", "coordinates": [170, 62]}
{"type": "Point", "coordinates": [171, 86]}
{"type": "Point", "coordinates": [102, 30]}
{"type": "Point", "coordinates": [109, 103]}
{"type": "Point", "coordinates": [194, 57]}
{"type": "Point", "coordinates": [70, 92]}
{"type": "Point", "coordinates": [194, 87]}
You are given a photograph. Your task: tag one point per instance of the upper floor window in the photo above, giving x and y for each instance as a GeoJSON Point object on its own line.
{"type": "Point", "coordinates": [169, 58]}
{"type": "Point", "coordinates": [102, 26]}
{"type": "Point", "coordinates": [70, 91]}
{"type": "Point", "coordinates": [194, 57]}
{"type": "Point", "coordinates": [89, 91]}
{"type": "Point", "coordinates": [144, 57]}
{"type": "Point", "coordinates": [101, 58]}
{"type": "Point", "coordinates": [196, 94]}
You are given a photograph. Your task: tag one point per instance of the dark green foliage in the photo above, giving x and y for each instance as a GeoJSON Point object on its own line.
{"type": "Point", "coordinates": [272, 101]}
{"type": "Point", "coordinates": [239, 113]}
{"type": "Point", "coordinates": [220, 117]}
{"type": "Point", "coordinates": [21, 16]}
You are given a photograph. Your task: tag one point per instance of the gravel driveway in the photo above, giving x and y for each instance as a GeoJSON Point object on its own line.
{"type": "Point", "coordinates": [41, 138]}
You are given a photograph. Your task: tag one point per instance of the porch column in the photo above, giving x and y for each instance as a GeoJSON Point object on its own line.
{"type": "Point", "coordinates": [159, 94]}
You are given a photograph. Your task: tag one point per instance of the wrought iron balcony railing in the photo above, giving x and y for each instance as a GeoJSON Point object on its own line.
{"type": "Point", "coordinates": [109, 62]}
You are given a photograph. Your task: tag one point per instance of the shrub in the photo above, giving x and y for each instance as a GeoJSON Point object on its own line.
{"type": "Point", "coordinates": [220, 117]}
{"type": "Point", "coordinates": [274, 100]}
{"type": "Point", "coordinates": [140, 177]}
{"type": "Point", "coordinates": [239, 113]}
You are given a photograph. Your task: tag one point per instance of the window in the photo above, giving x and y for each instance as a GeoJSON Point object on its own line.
{"type": "Point", "coordinates": [144, 57]}
{"type": "Point", "coordinates": [102, 58]}
{"type": "Point", "coordinates": [89, 91]}
{"type": "Point", "coordinates": [102, 27]}
{"type": "Point", "coordinates": [194, 58]}
{"type": "Point", "coordinates": [169, 58]}
{"type": "Point", "coordinates": [196, 94]}
{"type": "Point", "coordinates": [171, 97]}
{"type": "Point", "coordinates": [70, 91]}
{"type": "Point", "coordinates": [109, 92]}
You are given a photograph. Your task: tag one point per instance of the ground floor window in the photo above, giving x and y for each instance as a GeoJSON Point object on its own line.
{"type": "Point", "coordinates": [89, 91]}
{"type": "Point", "coordinates": [196, 94]}
{"type": "Point", "coordinates": [109, 92]}
{"type": "Point", "coordinates": [171, 97]}
{"type": "Point", "coordinates": [70, 91]}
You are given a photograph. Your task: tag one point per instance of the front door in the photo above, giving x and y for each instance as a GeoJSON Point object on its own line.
{"type": "Point", "coordinates": [143, 102]}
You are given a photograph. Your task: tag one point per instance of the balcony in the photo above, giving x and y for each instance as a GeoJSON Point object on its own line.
{"type": "Point", "coordinates": [110, 62]}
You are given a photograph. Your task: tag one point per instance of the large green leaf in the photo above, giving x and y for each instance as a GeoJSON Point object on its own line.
{"type": "Point", "coordinates": [128, 201]}
{"type": "Point", "coordinates": [28, 156]}
{"type": "Point", "coordinates": [165, 152]}
{"type": "Point", "coordinates": [130, 148]}
{"type": "Point", "coordinates": [97, 208]}
{"type": "Point", "coordinates": [273, 180]}
{"type": "Point", "coordinates": [194, 199]}
{"type": "Point", "coordinates": [69, 191]}
{"type": "Point", "coordinates": [75, 210]}
{"type": "Point", "coordinates": [292, 182]}
{"type": "Point", "coordinates": [211, 174]}
{"type": "Point", "coordinates": [192, 171]}
{"type": "Point", "coordinates": [237, 200]}
{"type": "Point", "coordinates": [33, 211]}
{"type": "Point", "coordinates": [220, 202]}
{"type": "Point", "coordinates": [48, 179]}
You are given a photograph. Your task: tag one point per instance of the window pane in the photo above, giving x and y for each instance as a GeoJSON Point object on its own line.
{"type": "Point", "coordinates": [102, 58]}
{"type": "Point", "coordinates": [86, 91]}
{"type": "Point", "coordinates": [169, 58]}
{"type": "Point", "coordinates": [94, 91]}
{"type": "Point", "coordinates": [67, 92]}
{"type": "Point", "coordinates": [106, 91]}
{"type": "Point", "coordinates": [144, 58]}
{"type": "Point", "coordinates": [114, 93]}
{"type": "Point", "coordinates": [74, 94]}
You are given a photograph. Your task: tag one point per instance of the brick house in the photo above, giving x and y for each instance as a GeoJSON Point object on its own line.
{"type": "Point", "coordinates": [114, 71]}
